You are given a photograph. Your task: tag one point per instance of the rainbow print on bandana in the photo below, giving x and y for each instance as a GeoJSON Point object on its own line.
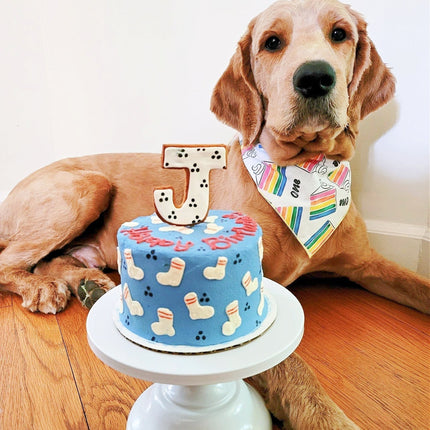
{"type": "Point", "coordinates": [311, 198]}
{"type": "Point", "coordinates": [339, 175]}
{"type": "Point", "coordinates": [273, 180]}
{"type": "Point", "coordinates": [292, 215]}
{"type": "Point", "coordinates": [322, 204]}
{"type": "Point", "coordinates": [309, 165]}
{"type": "Point", "coordinates": [319, 237]}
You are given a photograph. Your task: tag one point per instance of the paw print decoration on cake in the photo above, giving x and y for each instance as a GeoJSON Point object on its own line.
{"type": "Point", "coordinates": [199, 161]}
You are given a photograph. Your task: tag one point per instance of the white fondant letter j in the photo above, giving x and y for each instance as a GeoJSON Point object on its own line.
{"type": "Point", "coordinates": [199, 160]}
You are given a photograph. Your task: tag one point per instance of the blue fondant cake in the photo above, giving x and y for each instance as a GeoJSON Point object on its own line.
{"type": "Point", "coordinates": [192, 288]}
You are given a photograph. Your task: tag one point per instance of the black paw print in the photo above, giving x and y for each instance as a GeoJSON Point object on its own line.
{"type": "Point", "coordinates": [163, 198]}
{"type": "Point", "coordinates": [148, 292]}
{"type": "Point", "coordinates": [193, 203]}
{"type": "Point", "coordinates": [204, 298]}
{"type": "Point", "coordinates": [172, 215]}
{"type": "Point", "coordinates": [238, 259]}
{"type": "Point", "coordinates": [182, 153]}
{"type": "Point", "coordinates": [201, 248]}
{"type": "Point", "coordinates": [247, 307]}
{"type": "Point", "coordinates": [195, 168]}
{"type": "Point", "coordinates": [151, 255]}
{"type": "Point", "coordinates": [127, 320]}
{"type": "Point", "coordinates": [201, 336]}
{"type": "Point", "coordinates": [257, 323]}
{"type": "Point", "coordinates": [204, 184]}
{"type": "Point", "coordinates": [216, 155]}
{"type": "Point", "coordinates": [196, 220]}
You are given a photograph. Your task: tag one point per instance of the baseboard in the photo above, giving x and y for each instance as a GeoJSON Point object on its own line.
{"type": "Point", "coordinates": [406, 244]}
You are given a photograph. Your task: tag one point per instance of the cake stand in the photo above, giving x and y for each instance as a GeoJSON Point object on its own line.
{"type": "Point", "coordinates": [192, 392]}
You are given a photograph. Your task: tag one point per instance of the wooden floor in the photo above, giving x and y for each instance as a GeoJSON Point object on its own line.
{"type": "Point", "coordinates": [371, 355]}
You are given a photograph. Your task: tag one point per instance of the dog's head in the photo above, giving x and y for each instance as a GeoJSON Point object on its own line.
{"type": "Point", "coordinates": [302, 77]}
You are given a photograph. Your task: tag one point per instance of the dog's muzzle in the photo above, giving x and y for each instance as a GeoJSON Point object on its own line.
{"type": "Point", "coordinates": [314, 79]}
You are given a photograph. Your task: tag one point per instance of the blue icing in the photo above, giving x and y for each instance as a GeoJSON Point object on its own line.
{"type": "Point", "coordinates": [237, 241]}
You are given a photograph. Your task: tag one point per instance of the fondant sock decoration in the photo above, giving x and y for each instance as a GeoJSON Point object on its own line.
{"type": "Point", "coordinates": [234, 319]}
{"type": "Point", "coordinates": [121, 304]}
{"type": "Point", "coordinates": [129, 224]}
{"type": "Point", "coordinates": [118, 260]}
{"type": "Point", "coordinates": [217, 272]}
{"type": "Point", "coordinates": [134, 306]}
{"type": "Point", "coordinates": [179, 228]}
{"type": "Point", "coordinates": [210, 219]}
{"type": "Point", "coordinates": [133, 271]}
{"type": "Point", "coordinates": [261, 304]}
{"type": "Point", "coordinates": [260, 248]}
{"type": "Point", "coordinates": [213, 228]}
{"type": "Point", "coordinates": [306, 196]}
{"type": "Point", "coordinates": [156, 220]}
{"type": "Point", "coordinates": [174, 276]}
{"type": "Point", "coordinates": [249, 284]}
{"type": "Point", "coordinates": [164, 325]}
{"type": "Point", "coordinates": [197, 311]}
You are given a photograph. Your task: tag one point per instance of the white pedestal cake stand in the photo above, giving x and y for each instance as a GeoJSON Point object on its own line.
{"type": "Point", "coordinates": [201, 391]}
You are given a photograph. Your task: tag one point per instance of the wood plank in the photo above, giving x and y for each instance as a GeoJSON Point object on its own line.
{"type": "Point", "coordinates": [107, 395]}
{"type": "Point", "coordinates": [37, 389]}
{"type": "Point", "coordinates": [371, 355]}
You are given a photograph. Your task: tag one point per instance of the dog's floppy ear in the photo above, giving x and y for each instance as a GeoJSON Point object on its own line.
{"type": "Point", "coordinates": [372, 84]}
{"type": "Point", "coordinates": [235, 99]}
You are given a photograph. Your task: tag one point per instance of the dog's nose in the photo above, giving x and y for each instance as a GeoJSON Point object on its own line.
{"type": "Point", "coordinates": [314, 79]}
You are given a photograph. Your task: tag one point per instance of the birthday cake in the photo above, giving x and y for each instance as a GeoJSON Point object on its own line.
{"type": "Point", "coordinates": [192, 288]}
{"type": "Point", "coordinates": [191, 279]}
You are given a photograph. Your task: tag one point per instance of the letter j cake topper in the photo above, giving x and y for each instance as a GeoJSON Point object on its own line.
{"type": "Point", "coordinates": [199, 161]}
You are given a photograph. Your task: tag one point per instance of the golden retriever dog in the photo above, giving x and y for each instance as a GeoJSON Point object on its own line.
{"type": "Point", "coordinates": [303, 75]}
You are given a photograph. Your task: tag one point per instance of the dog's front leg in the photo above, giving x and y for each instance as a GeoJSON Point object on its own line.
{"type": "Point", "coordinates": [294, 396]}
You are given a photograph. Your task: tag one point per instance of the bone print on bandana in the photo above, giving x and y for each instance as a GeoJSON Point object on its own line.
{"type": "Point", "coordinates": [312, 198]}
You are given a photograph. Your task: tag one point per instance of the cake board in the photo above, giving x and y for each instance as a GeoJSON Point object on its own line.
{"type": "Point", "coordinates": [199, 390]}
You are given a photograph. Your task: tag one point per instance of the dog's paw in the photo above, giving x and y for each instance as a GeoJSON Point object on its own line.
{"type": "Point", "coordinates": [327, 419]}
{"type": "Point", "coordinates": [46, 295]}
{"type": "Point", "coordinates": [90, 291]}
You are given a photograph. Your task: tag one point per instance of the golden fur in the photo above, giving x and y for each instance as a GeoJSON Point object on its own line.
{"type": "Point", "coordinates": [59, 225]}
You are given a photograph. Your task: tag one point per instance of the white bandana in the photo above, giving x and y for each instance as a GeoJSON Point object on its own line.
{"type": "Point", "coordinates": [312, 198]}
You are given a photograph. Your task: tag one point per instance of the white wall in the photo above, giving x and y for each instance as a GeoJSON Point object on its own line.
{"type": "Point", "coordinates": [80, 77]}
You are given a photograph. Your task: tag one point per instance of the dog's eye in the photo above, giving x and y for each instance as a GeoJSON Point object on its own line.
{"type": "Point", "coordinates": [338, 35]}
{"type": "Point", "coordinates": [272, 44]}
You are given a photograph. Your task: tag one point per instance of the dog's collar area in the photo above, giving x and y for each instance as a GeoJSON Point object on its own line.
{"type": "Point", "coordinates": [311, 197]}
{"type": "Point", "coordinates": [302, 145]}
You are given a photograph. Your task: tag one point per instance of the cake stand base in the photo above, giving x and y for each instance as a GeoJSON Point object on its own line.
{"type": "Point", "coordinates": [200, 391]}
{"type": "Point", "coordinates": [228, 406]}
